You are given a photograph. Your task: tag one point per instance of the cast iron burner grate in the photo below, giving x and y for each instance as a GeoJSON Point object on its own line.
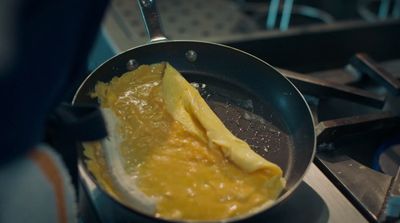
{"type": "Point", "coordinates": [345, 141]}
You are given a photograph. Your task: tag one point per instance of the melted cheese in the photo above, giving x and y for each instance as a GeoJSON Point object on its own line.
{"type": "Point", "coordinates": [178, 150]}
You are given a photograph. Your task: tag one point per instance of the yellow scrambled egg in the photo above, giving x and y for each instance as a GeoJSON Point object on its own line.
{"type": "Point", "coordinates": [178, 150]}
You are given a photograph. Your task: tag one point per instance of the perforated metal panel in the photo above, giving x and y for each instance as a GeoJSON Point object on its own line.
{"type": "Point", "coordinates": [181, 19]}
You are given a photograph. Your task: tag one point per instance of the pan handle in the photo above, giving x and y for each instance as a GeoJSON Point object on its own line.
{"type": "Point", "coordinates": [151, 20]}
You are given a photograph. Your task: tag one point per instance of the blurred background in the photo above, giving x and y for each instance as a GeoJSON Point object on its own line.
{"type": "Point", "coordinates": [237, 21]}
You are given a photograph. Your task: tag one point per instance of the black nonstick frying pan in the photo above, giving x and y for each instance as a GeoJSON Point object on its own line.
{"type": "Point", "coordinates": [255, 101]}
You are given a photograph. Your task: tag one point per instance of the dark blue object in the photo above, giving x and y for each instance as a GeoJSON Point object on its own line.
{"type": "Point", "coordinates": [382, 148]}
{"type": "Point", "coordinates": [69, 125]}
{"type": "Point", "coordinates": [53, 39]}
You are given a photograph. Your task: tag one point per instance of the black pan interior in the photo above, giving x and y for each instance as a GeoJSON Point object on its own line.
{"type": "Point", "coordinates": [248, 117]}
{"type": "Point", "coordinates": [254, 101]}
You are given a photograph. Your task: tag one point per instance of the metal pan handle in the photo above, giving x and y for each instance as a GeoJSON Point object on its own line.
{"type": "Point", "coordinates": [151, 20]}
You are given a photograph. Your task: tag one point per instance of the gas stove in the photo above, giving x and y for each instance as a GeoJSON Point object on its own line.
{"type": "Point", "coordinates": [349, 72]}
{"type": "Point", "coordinates": [358, 132]}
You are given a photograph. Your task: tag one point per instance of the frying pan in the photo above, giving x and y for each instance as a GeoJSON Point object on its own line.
{"type": "Point", "coordinates": [255, 101]}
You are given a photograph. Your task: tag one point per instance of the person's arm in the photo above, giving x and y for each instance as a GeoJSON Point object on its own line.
{"type": "Point", "coordinates": [46, 48]}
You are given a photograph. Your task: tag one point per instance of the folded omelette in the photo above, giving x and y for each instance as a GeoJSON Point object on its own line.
{"type": "Point", "coordinates": [176, 152]}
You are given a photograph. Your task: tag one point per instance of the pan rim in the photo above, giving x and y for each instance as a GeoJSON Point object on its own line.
{"type": "Point", "coordinates": [258, 210]}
